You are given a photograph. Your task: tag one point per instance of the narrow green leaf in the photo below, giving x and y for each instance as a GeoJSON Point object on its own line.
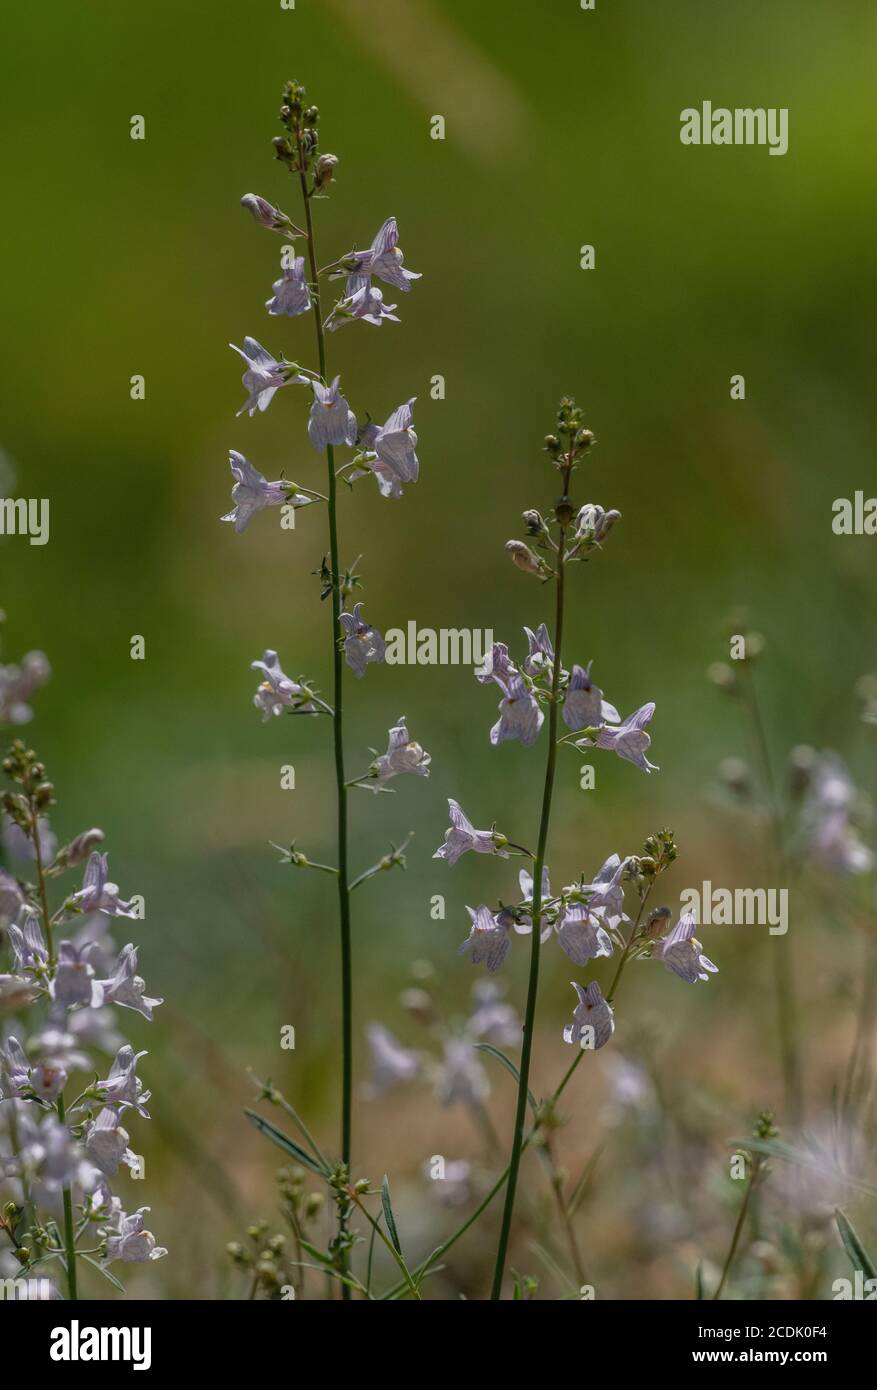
{"type": "Point", "coordinates": [509, 1066]}
{"type": "Point", "coordinates": [698, 1282]}
{"type": "Point", "coordinates": [859, 1257]}
{"type": "Point", "coordinates": [105, 1272]}
{"type": "Point", "coordinates": [284, 1142]}
{"type": "Point", "coordinates": [388, 1215]}
{"type": "Point", "coordinates": [316, 1254]}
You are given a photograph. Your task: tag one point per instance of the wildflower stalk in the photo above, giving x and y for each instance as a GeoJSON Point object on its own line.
{"type": "Point", "coordinates": [338, 707]}
{"type": "Point", "coordinates": [69, 1236]}
{"type": "Point", "coordinates": [535, 941]}
{"type": "Point", "coordinates": [67, 1198]}
{"type": "Point", "coordinates": [764, 1129]}
{"type": "Point", "coordinates": [784, 984]}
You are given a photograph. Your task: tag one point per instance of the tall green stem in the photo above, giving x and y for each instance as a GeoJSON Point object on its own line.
{"type": "Point", "coordinates": [784, 981]}
{"type": "Point", "coordinates": [533, 984]}
{"type": "Point", "coordinates": [69, 1237]}
{"type": "Point", "coordinates": [337, 719]}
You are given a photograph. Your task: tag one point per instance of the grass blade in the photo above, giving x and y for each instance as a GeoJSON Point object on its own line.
{"type": "Point", "coordinates": [284, 1142]}
{"type": "Point", "coordinates": [509, 1066]}
{"type": "Point", "coordinates": [388, 1215]}
{"type": "Point", "coordinates": [859, 1257]}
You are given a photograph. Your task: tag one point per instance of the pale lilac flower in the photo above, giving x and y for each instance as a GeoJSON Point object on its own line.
{"type": "Point", "coordinates": [493, 1018]}
{"type": "Point", "coordinates": [366, 303]}
{"type": "Point", "coordinates": [277, 692]}
{"type": "Point", "coordinates": [460, 1076]}
{"type": "Point", "coordinates": [383, 259]}
{"type": "Point", "coordinates": [331, 420]}
{"type": "Point", "coordinates": [395, 444]}
{"type": "Point", "coordinates": [606, 892]}
{"type": "Point", "coordinates": [362, 642]}
{"type": "Point", "coordinates": [58, 1045]}
{"type": "Point", "coordinates": [132, 1242]}
{"type": "Point", "coordinates": [540, 656]}
{"type": "Point", "coordinates": [628, 739]}
{"type": "Point", "coordinates": [45, 1080]}
{"type": "Point", "coordinates": [524, 920]}
{"type": "Point", "coordinates": [97, 894]}
{"type": "Point", "coordinates": [17, 685]}
{"type": "Point", "coordinates": [519, 715]}
{"type": "Point", "coordinates": [17, 1068]}
{"type": "Point", "coordinates": [123, 1087]}
{"type": "Point", "coordinates": [96, 1028]}
{"type": "Point", "coordinates": [593, 1022]}
{"type": "Point", "coordinates": [631, 1091]}
{"type": "Point", "coordinates": [581, 934]}
{"type": "Point", "coordinates": [74, 981]}
{"type": "Point", "coordinates": [27, 942]}
{"type": "Point", "coordinates": [292, 293]}
{"type": "Point", "coordinates": [11, 897]}
{"type": "Point", "coordinates": [106, 1143]}
{"type": "Point", "coordinates": [488, 941]}
{"type": "Point", "coordinates": [463, 836]}
{"type": "Point", "coordinates": [497, 666]}
{"type": "Point", "coordinates": [126, 987]}
{"type": "Point", "coordinates": [264, 375]}
{"type": "Point", "coordinates": [402, 755]}
{"type": "Point", "coordinates": [391, 1062]}
{"type": "Point", "coordinates": [252, 492]}
{"type": "Point", "coordinates": [682, 953]}
{"type": "Point", "coordinates": [266, 214]}
{"type": "Point", "coordinates": [593, 525]}
{"type": "Point", "coordinates": [826, 823]}
{"type": "Point", "coordinates": [584, 705]}
{"type": "Point", "coordinates": [56, 1157]}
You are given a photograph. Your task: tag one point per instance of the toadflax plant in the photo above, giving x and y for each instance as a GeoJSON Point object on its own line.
{"type": "Point", "coordinates": [386, 452]}
{"type": "Point", "coordinates": [63, 1137]}
{"type": "Point", "coordinates": [587, 917]}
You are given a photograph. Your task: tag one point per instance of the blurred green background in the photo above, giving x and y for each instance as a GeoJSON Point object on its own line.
{"type": "Point", "coordinates": [123, 257]}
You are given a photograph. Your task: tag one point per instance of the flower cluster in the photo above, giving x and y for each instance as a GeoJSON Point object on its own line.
{"type": "Point", "coordinates": [60, 1156]}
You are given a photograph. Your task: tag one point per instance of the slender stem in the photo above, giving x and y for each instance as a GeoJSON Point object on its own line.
{"type": "Point", "coordinates": [625, 954]}
{"type": "Point", "coordinates": [337, 720]}
{"type": "Point", "coordinates": [533, 985]}
{"type": "Point", "coordinates": [784, 982]}
{"type": "Point", "coordinates": [566, 1221]}
{"type": "Point", "coordinates": [69, 1237]}
{"type": "Point", "coordinates": [738, 1230]}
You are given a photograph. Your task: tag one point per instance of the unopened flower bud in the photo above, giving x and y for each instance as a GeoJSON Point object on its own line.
{"type": "Point", "coordinates": [524, 558]}
{"type": "Point", "coordinates": [657, 922]}
{"type": "Point", "coordinates": [534, 522]}
{"type": "Point", "coordinates": [264, 212]}
{"type": "Point", "coordinates": [324, 170]}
